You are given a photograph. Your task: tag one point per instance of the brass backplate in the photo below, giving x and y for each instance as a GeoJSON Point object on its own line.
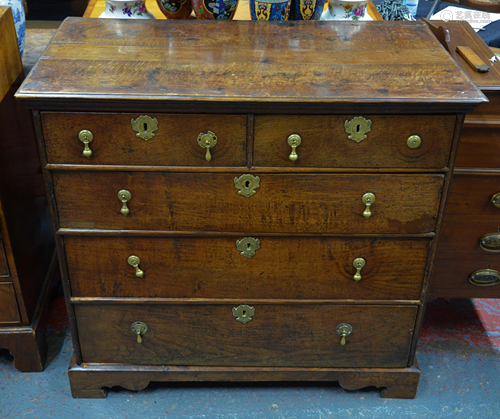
{"type": "Point", "coordinates": [243, 313]}
{"type": "Point", "coordinates": [485, 278]}
{"type": "Point", "coordinates": [357, 128]}
{"type": "Point", "coordinates": [490, 242]}
{"type": "Point", "coordinates": [495, 200]}
{"type": "Point", "coordinates": [145, 126]}
{"type": "Point", "coordinates": [247, 246]}
{"type": "Point", "coordinates": [247, 184]}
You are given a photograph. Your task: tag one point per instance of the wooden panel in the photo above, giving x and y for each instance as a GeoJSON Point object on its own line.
{"type": "Point", "coordinates": [461, 237]}
{"type": "Point", "coordinates": [4, 266]}
{"type": "Point", "coordinates": [278, 335]}
{"type": "Point", "coordinates": [471, 195]}
{"type": "Point", "coordinates": [10, 58]}
{"type": "Point", "coordinates": [9, 313]}
{"type": "Point", "coordinates": [399, 63]}
{"type": "Point", "coordinates": [212, 267]}
{"type": "Point", "coordinates": [115, 142]}
{"type": "Point", "coordinates": [326, 144]}
{"type": "Point", "coordinates": [480, 145]}
{"type": "Point", "coordinates": [282, 204]}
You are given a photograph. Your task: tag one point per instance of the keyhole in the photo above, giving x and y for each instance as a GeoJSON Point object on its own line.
{"type": "Point", "coordinates": [145, 126]}
{"type": "Point", "coordinates": [247, 184]}
{"type": "Point", "coordinates": [244, 313]}
{"type": "Point", "coordinates": [358, 128]}
{"type": "Point", "coordinates": [248, 246]}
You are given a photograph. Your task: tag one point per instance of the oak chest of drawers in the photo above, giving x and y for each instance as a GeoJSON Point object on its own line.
{"type": "Point", "coordinates": [246, 201]}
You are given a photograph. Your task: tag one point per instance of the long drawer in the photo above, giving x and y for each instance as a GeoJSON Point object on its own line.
{"type": "Point", "coordinates": [278, 334]}
{"type": "Point", "coordinates": [324, 141]}
{"type": "Point", "coordinates": [214, 267]}
{"type": "Point", "coordinates": [174, 142]}
{"type": "Point", "coordinates": [282, 203]}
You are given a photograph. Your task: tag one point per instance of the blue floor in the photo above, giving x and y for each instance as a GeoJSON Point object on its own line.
{"type": "Point", "coordinates": [458, 354]}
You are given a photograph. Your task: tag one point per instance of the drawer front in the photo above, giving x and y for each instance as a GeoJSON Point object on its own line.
{"type": "Point", "coordinates": [4, 267]}
{"type": "Point", "coordinates": [281, 204]}
{"type": "Point", "coordinates": [175, 142]}
{"type": "Point", "coordinates": [471, 195]}
{"type": "Point", "coordinates": [9, 312]}
{"type": "Point", "coordinates": [479, 145]}
{"type": "Point", "coordinates": [278, 335]}
{"type": "Point", "coordinates": [325, 143]}
{"type": "Point", "coordinates": [213, 267]}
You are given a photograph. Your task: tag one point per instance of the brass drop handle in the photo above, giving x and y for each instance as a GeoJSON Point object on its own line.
{"type": "Point", "coordinates": [495, 200]}
{"type": "Point", "coordinates": [485, 278]}
{"type": "Point", "coordinates": [359, 263]}
{"type": "Point", "coordinates": [294, 141]}
{"type": "Point", "coordinates": [134, 261]}
{"type": "Point", "coordinates": [124, 196]}
{"type": "Point", "coordinates": [207, 140]}
{"type": "Point", "coordinates": [86, 137]}
{"type": "Point", "coordinates": [368, 199]}
{"type": "Point", "coordinates": [139, 328]}
{"type": "Point", "coordinates": [344, 330]}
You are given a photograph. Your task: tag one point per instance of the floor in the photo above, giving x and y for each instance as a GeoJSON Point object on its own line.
{"type": "Point", "coordinates": [459, 356]}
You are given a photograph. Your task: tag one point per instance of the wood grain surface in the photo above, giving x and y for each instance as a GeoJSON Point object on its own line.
{"type": "Point", "coordinates": [10, 58]}
{"type": "Point", "coordinates": [213, 267]}
{"type": "Point", "coordinates": [9, 312]}
{"type": "Point", "coordinates": [283, 203]}
{"type": "Point", "coordinates": [278, 335]}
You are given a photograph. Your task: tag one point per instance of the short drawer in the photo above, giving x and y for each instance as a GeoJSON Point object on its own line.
{"type": "Point", "coordinates": [479, 144]}
{"type": "Point", "coordinates": [282, 203]}
{"type": "Point", "coordinates": [471, 195]}
{"type": "Point", "coordinates": [9, 312]}
{"type": "Point", "coordinates": [325, 142]}
{"type": "Point", "coordinates": [278, 334]}
{"type": "Point", "coordinates": [214, 267]}
{"type": "Point", "coordinates": [174, 143]}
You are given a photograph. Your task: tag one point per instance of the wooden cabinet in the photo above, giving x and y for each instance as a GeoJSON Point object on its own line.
{"type": "Point", "coordinates": [27, 259]}
{"type": "Point", "coordinates": [280, 222]}
{"type": "Point", "coordinates": [470, 214]}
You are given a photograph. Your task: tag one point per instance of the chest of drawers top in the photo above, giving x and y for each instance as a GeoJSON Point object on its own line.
{"type": "Point", "coordinates": [287, 67]}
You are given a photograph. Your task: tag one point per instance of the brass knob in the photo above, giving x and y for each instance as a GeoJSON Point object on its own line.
{"type": "Point", "coordinates": [359, 263]}
{"type": "Point", "coordinates": [485, 278]}
{"type": "Point", "coordinates": [495, 200]}
{"type": "Point", "coordinates": [124, 196]}
{"type": "Point", "coordinates": [344, 330]}
{"type": "Point", "coordinates": [86, 137]}
{"type": "Point", "coordinates": [414, 141]}
{"type": "Point", "coordinates": [134, 261]}
{"type": "Point", "coordinates": [207, 140]}
{"type": "Point", "coordinates": [294, 141]}
{"type": "Point", "coordinates": [368, 199]}
{"type": "Point", "coordinates": [139, 328]}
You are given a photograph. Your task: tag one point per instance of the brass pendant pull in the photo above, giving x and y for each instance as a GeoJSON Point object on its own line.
{"type": "Point", "coordinates": [359, 263]}
{"type": "Point", "coordinates": [368, 199]}
{"type": "Point", "coordinates": [86, 137]}
{"type": "Point", "coordinates": [145, 126]}
{"type": "Point", "coordinates": [485, 278]}
{"type": "Point", "coordinates": [139, 328]}
{"type": "Point", "coordinates": [344, 330]}
{"type": "Point", "coordinates": [357, 128]}
{"type": "Point", "coordinates": [243, 313]}
{"type": "Point", "coordinates": [248, 246]}
{"type": "Point", "coordinates": [134, 261]}
{"type": "Point", "coordinates": [207, 140]}
{"type": "Point", "coordinates": [247, 185]}
{"type": "Point", "coordinates": [495, 200]}
{"type": "Point", "coordinates": [124, 196]}
{"type": "Point", "coordinates": [294, 141]}
{"type": "Point", "coordinates": [490, 242]}
{"type": "Point", "coordinates": [414, 141]}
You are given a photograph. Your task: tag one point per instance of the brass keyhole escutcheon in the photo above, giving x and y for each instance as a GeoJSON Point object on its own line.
{"type": "Point", "coordinates": [358, 263]}
{"type": "Point", "coordinates": [134, 261]}
{"type": "Point", "coordinates": [247, 184]}
{"type": "Point", "coordinates": [495, 200]}
{"type": "Point", "coordinates": [139, 328]}
{"type": "Point", "coordinates": [124, 196]}
{"type": "Point", "coordinates": [357, 128]}
{"type": "Point", "coordinates": [294, 141]}
{"type": "Point", "coordinates": [207, 140]}
{"type": "Point", "coordinates": [243, 313]}
{"type": "Point", "coordinates": [344, 330]}
{"type": "Point", "coordinates": [145, 126]}
{"type": "Point", "coordinates": [86, 137]}
{"type": "Point", "coordinates": [368, 199]}
{"type": "Point", "coordinates": [248, 246]}
{"type": "Point", "coordinates": [414, 141]}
